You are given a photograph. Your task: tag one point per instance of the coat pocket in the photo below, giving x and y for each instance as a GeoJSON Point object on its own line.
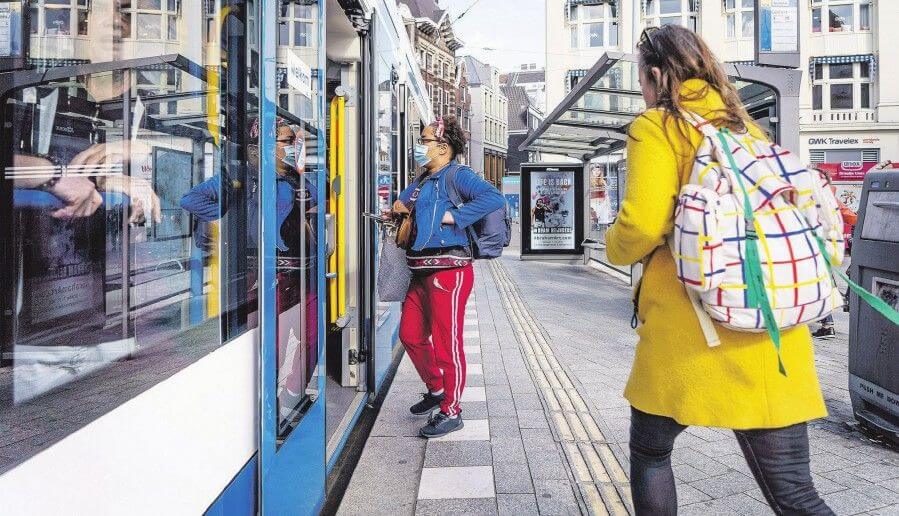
{"type": "Point", "coordinates": [698, 244]}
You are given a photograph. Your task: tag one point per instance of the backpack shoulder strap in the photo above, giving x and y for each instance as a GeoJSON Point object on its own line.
{"type": "Point", "coordinates": [449, 182]}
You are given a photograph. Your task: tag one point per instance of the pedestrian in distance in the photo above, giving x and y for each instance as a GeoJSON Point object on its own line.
{"type": "Point", "coordinates": [678, 379]}
{"type": "Point", "coordinates": [440, 256]}
{"type": "Point", "coordinates": [826, 330]}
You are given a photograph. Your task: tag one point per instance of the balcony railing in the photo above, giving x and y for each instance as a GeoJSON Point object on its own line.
{"type": "Point", "coordinates": [838, 117]}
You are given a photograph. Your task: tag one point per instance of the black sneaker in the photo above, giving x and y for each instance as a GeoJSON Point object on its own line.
{"type": "Point", "coordinates": [441, 424]}
{"type": "Point", "coordinates": [824, 333]}
{"type": "Point", "coordinates": [427, 404]}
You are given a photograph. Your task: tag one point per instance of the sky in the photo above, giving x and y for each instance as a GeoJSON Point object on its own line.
{"type": "Point", "coordinates": [504, 33]}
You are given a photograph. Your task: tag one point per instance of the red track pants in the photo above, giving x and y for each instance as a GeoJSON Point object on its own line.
{"type": "Point", "coordinates": [431, 330]}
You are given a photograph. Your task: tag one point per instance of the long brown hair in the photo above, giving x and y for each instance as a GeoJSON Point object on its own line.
{"type": "Point", "coordinates": [680, 54]}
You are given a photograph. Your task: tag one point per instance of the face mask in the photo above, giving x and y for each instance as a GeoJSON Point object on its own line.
{"type": "Point", "coordinates": [290, 156]}
{"type": "Point", "coordinates": [421, 154]}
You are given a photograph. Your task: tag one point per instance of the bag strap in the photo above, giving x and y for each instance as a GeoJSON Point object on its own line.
{"type": "Point", "coordinates": [449, 182]}
{"type": "Point", "coordinates": [705, 320]}
{"type": "Point", "coordinates": [756, 295]}
{"type": "Point", "coordinates": [875, 302]}
{"type": "Point", "coordinates": [413, 198]}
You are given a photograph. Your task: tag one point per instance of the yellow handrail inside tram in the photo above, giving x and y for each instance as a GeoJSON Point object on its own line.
{"type": "Point", "coordinates": [341, 207]}
{"type": "Point", "coordinates": [333, 129]}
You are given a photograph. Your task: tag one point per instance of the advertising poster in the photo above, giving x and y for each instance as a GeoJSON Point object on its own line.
{"type": "Point", "coordinates": [553, 210]}
{"type": "Point", "coordinates": [850, 194]}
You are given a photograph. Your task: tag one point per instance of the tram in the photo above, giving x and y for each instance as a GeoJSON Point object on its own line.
{"type": "Point", "coordinates": [189, 320]}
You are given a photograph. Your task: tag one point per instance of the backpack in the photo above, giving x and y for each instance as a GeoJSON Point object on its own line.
{"type": "Point", "coordinates": [755, 234]}
{"type": "Point", "coordinates": [489, 235]}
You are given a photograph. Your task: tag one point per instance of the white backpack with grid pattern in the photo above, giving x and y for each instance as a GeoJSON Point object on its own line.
{"type": "Point", "coordinates": [795, 226]}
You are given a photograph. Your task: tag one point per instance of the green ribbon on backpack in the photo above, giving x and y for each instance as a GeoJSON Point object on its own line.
{"type": "Point", "coordinates": [876, 303]}
{"type": "Point", "coordinates": [756, 295]}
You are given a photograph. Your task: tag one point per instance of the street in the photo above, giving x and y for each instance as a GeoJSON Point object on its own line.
{"type": "Point", "coordinates": [549, 348]}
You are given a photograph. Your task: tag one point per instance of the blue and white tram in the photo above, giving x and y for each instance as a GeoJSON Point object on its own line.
{"type": "Point", "coordinates": [188, 318]}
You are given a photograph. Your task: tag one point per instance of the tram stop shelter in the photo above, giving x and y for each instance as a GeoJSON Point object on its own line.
{"type": "Point", "coordinates": [592, 121]}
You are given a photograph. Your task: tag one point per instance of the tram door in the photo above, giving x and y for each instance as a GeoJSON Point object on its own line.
{"type": "Point", "coordinates": [292, 148]}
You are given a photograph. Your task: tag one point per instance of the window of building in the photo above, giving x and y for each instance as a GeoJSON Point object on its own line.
{"type": "Point", "coordinates": [841, 15]}
{"type": "Point", "coordinates": [59, 17]}
{"type": "Point", "coordinates": [594, 26]}
{"type": "Point", "coordinates": [295, 25]}
{"type": "Point", "coordinates": [841, 86]}
{"type": "Point", "coordinates": [662, 12]}
{"type": "Point", "coordinates": [740, 18]}
{"type": "Point", "coordinates": [151, 19]}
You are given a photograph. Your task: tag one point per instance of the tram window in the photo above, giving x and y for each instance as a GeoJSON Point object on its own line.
{"type": "Point", "coordinates": [299, 167]}
{"type": "Point", "coordinates": [110, 284]}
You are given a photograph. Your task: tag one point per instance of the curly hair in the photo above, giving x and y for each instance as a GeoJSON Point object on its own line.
{"type": "Point", "coordinates": [449, 130]}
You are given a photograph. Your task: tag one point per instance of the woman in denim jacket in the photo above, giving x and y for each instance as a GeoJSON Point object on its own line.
{"type": "Point", "coordinates": [433, 315]}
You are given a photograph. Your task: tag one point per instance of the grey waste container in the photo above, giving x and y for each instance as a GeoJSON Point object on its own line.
{"type": "Point", "coordinates": [874, 340]}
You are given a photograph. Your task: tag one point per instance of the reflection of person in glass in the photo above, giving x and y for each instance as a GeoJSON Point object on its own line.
{"type": "Point", "coordinates": [62, 143]}
{"type": "Point", "coordinates": [296, 208]}
{"type": "Point", "coordinates": [75, 167]}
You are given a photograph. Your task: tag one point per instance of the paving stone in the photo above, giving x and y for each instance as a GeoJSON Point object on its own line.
{"type": "Point", "coordinates": [546, 465]}
{"type": "Point", "coordinates": [556, 497]}
{"type": "Point", "coordinates": [474, 410]}
{"type": "Point", "coordinates": [458, 453]}
{"type": "Point", "coordinates": [725, 485]}
{"type": "Point", "coordinates": [508, 449]}
{"type": "Point", "coordinates": [456, 507]}
{"type": "Point", "coordinates": [699, 461]}
{"type": "Point", "coordinates": [687, 494]}
{"type": "Point", "coordinates": [499, 393]}
{"type": "Point", "coordinates": [852, 502]}
{"type": "Point", "coordinates": [890, 510]}
{"type": "Point", "coordinates": [474, 394]}
{"type": "Point", "coordinates": [532, 419]}
{"type": "Point", "coordinates": [474, 381]}
{"type": "Point", "coordinates": [876, 471]}
{"type": "Point", "coordinates": [475, 370]}
{"type": "Point", "coordinates": [473, 430]}
{"type": "Point", "coordinates": [502, 408]}
{"type": "Point", "coordinates": [526, 401]}
{"type": "Point", "coordinates": [503, 427]}
{"type": "Point", "coordinates": [512, 477]}
{"type": "Point", "coordinates": [385, 461]}
{"type": "Point", "coordinates": [517, 505]}
{"type": "Point", "coordinates": [465, 482]}
{"type": "Point", "coordinates": [740, 504]}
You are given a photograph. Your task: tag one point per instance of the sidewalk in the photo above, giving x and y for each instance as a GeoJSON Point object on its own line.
{"type": "Point", "coordinates": [546, 426]}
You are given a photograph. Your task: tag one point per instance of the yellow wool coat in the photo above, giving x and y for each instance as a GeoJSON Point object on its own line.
{"type": "Point", "coordinates": [675, 373]}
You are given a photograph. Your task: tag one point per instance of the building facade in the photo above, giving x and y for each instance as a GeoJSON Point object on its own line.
{"type": "Point", "coordinates": [430, 30]}
{"type": "Point", "coordinates": [524, 116]}
{"type": "Point", "coordinates": [489, 121]}
{"type": "Point", "coordinates": [533, 80]}
{"type": "Point", "coordinates": [849, 113]}
{"type": "Point", "coordinates": [463, 106]}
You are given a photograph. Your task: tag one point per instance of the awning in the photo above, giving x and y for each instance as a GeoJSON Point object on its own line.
{"type": "Point", "coordinates": [860, 58]}
{"type": "Point", "coordinates": [593, 118]}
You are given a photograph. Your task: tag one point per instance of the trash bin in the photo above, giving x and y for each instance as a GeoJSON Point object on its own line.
{"type": "Point", "coordinates": [874, 340]}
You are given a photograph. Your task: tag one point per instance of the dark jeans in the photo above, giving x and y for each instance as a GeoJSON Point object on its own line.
{"type": "Point", "coordinates": [778, 458]}
{"type": "Point", "coordinates": [827, 321]}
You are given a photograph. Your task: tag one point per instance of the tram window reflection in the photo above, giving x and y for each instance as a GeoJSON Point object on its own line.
{"type": "Point", "coordinates": [106, 291]}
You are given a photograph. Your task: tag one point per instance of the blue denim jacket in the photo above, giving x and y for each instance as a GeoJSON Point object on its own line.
{"type": "Point", "coordinates": [433, 202]}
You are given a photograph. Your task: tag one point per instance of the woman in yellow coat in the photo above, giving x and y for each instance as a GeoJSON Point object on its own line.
{"type": "Point", "coordinates": [678, 380]}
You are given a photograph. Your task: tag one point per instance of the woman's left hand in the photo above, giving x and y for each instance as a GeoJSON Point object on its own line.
{"type": "Point", "coordinates": [448, 218]}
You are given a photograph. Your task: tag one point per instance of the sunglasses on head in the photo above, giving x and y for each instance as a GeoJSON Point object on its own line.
{"type": "Point", "coordinates": [646, 42]}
